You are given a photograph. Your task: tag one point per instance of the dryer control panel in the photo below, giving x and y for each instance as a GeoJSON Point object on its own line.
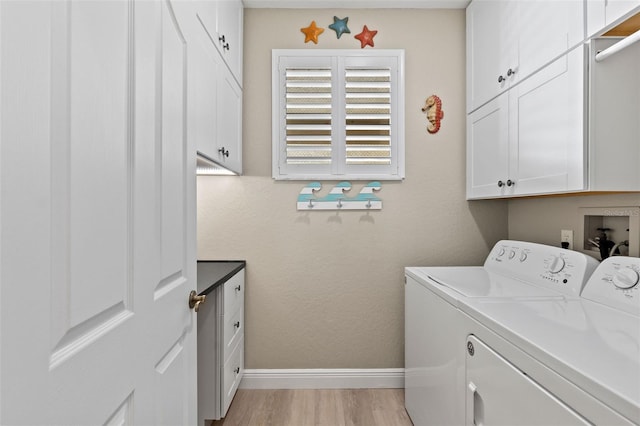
{"type": "Point", "coordinates": [561, 270]}
{"type": "Point", "coordinates": [616, 283]}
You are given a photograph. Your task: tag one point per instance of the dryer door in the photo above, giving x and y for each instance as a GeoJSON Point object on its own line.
{"type": "Point", "coordinates": [500, 394]}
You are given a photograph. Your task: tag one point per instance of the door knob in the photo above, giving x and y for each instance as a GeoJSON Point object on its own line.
{"type": "Point", "coordinates": [195, 300]}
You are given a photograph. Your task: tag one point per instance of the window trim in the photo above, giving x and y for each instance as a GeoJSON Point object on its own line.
{"type": "Point", "coordinates": [337, 59]}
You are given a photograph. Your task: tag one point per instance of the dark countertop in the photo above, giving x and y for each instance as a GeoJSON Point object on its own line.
{"type": "Point", "coordinates": [213, 273]}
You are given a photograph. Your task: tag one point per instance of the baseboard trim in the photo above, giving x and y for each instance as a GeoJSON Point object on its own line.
{"type": "Point", "coordinates": [343, 378]}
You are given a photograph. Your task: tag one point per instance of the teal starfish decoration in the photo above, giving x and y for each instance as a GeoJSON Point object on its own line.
{"type": "Point", "coordinates": [340, 26]}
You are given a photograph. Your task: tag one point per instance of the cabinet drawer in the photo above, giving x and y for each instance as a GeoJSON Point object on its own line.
{"type": "Point", "coordinates": [232, 375]}
{"type": "Point", "coordinates": [233, 294]}
{"type": "Point", "coordinates": [233, 331]}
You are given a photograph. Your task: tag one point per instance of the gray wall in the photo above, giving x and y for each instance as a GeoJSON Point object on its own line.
{"type": "Point", "coordinates": [325, 289]}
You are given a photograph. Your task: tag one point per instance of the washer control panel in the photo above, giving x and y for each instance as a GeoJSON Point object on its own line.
{"type": "Point", "coordinates": [564, 271]}
{"type": "Point", "coordinates": [616, 283]}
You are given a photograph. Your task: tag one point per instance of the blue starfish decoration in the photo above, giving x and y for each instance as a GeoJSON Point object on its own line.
{"type": "Point", "coordinates": [340, 26]}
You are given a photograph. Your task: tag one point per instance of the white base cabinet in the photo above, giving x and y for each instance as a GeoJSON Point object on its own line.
{"type": "Point", "coordinates": [220, 348]}
{"type": "Point", "coordinates": [230, 300]}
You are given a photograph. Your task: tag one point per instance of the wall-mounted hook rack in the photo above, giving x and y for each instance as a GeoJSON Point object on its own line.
{"type": "Point", "coordinates": [337, 200]}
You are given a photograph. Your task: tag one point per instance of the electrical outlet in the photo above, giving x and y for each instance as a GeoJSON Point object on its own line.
{"type": "Point", "coordinates": [566, 236]}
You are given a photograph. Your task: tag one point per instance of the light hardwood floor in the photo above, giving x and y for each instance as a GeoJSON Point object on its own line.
{"type": "Point", "coordinates": [326, 407]}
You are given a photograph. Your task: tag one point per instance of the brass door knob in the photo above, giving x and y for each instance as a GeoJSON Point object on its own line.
{"type": "Point", "coordinates": [195, 300]}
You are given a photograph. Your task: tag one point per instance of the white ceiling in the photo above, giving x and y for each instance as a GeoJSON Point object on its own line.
{"type": "Point", "coordinates": [357, 4]}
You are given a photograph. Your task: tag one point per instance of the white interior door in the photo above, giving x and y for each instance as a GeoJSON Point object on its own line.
{"type": "Point", "coordinates": [97, 215]}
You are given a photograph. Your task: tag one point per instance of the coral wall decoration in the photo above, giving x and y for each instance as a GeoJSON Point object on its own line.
{"type": "Point", "coordinates": [340, 26]}
{"type": "Point", "coordinates": [312, 32]}
{"type": "Point", "coordinates": [366, 37]}
{"type": "Point", "coordinates": [433, 108]}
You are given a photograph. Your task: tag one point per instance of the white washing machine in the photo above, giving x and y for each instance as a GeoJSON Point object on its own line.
{"type": "Point", "coordinates": [578, 359]}
{"type": "Point", "coordinates": [436, 327]}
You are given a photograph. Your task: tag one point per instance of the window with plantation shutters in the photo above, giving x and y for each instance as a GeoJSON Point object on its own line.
{"type": "Point", "coordinates": [338, 114]}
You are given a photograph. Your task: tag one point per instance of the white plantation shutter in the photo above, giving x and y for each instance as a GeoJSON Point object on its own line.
{"type": "Point", "coordinates": [368, 116]}
{"type": "Point", "coordinates": [308, 115]}
{"type": "Point", "coordinates": [338, 114]}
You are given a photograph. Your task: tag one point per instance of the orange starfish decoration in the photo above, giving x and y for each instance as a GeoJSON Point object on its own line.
{"type": "Point", "coordinates": [312, 32]}
{"type": "Point", "coordinates": [366, 37]}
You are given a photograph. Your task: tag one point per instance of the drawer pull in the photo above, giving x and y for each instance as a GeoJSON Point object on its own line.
{"type": "Point", "coordinates": [236, 324]}
{"type": "Point", "coordinates": [238, 288]}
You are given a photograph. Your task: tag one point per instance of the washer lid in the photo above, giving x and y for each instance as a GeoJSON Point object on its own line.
{"type": "Point", "coordinates": [478, 282]}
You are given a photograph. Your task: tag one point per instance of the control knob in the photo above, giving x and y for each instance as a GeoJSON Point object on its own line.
{"type": "Point", "coordinates": [626, 278]}
{"type": "Point", "coordinates": [556, 265]}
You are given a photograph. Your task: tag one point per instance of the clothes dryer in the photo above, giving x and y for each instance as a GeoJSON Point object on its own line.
{"type": "Point", "coordinates": [584, 354]}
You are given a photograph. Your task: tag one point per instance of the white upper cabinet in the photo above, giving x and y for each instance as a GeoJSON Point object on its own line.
{"type": "Point", "coordinates": [230, 28]}
{"type": "Point", "coordinates": [215, 94]}
{"type": "Point", "coordinates": [508, 41]}
{"type": "Point", "coordinates": [602, 14]}
{"type": "Point", "coordinates": [530, 139]}
{"type": "Point", "coordinates": [224, 20]}
{"type": "Point", "coordinates": [491, 50]}
{"type": "Point", "coordinates": [216, 102]}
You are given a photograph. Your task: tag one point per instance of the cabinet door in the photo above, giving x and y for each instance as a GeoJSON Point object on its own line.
{"type": "Point", "coordinates": [207, 12]}
{"type": "Point", "coordinates": [563, 25]}
{"type": "Point", "coordinates": [488, 150]}
{"type": "Point", "coordinates": [230, 17]}
{"type": "Point", "coordinates": [546, 128]}
{"type": "Point", "coordinates": [229, 118]}
{"type": "Point", "coordinates": [617, 9]}
{"type": "Point", "coordinates": [602, 13]}
{"type": "Point", "coordinates": [487, 50]}
{"type": "Point", "coordinates": [203, 69]}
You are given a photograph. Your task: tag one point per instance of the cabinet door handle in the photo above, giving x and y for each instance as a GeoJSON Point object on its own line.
{"type": "Point", "coordinates": [221, 39]}
{"type": "Point", "coordinates": [510, 72]}
{"type": "Point", "coordinates": [501, 79]}
{"type": "Point", "coordinates": [225, 46]}
{"type": "Point", "coordinates": [236, 324]}
{"type": "Point", "coordinates": [510, 182]}
{"type": "Point", "coordinates": [224, 152]}
{"type": "Point", "coordinates": [238, 288]}
{"type": "Point", "coordinates": [237, 370]}
{"type": "Point", "coordinates": [500, 184]}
